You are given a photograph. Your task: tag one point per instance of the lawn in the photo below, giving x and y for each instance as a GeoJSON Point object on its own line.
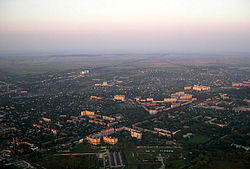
{"type": "Point", "coordinates": [75, 160]}
{"type": "Point", "coordinates": [83, 148]}
{"type": "Point", "coordinates": [135, 160]}
{"type": "Point", "coordinates": [227, 164]}
{"type": "Point", "coordinates": [199, 139]}
{"type": "Point", "coordinates": [80, 162]}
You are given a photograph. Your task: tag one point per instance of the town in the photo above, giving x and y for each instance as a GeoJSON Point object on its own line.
{"type": "Point", "coordinates": [126, 115]}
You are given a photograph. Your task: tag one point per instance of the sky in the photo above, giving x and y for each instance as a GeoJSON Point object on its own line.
{"type": "Point", "coordinates": [124, 26]}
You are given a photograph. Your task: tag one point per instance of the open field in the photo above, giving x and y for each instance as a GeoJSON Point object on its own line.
{"type": "Point", "coordinates": [13, 65]}
{"type": "Point", "coordinates": [80, 156]}
{"type": "Point", "coordinates": [137, 159]}
{"type": "Point", "coordinates": [84, 161]}
{"type": "Point", "coordinates": [199, 139]}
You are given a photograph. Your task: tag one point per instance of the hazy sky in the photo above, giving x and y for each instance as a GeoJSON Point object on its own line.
{"type": "Point", "coordinates": [125, 25]}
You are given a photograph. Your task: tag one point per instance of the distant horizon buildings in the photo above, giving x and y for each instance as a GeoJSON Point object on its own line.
{"type": "Point", "coordinates": [244, 83]}
{"type": "Point", "coordinates": [197, 88]}
{"type": "Point", "coordinates": [84, 72]}
{"type": "Point", "coordinates": [103, 84]}
{"type": "Point", "coordinates": [119, 97]}
{"type": "Point", "coordinates": [201, 88]}
{"type": "Point", "coordinates": [87, 113]}
{"type": "Point", "coordinates": [46, 119]}
{"type": "Point", "coordinates": [152, 111]}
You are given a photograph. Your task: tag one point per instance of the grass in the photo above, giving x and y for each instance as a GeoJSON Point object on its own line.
{"type": "Point", "coordinates": [83, 148]}
{"type": "Point", "coordinates": [89, 161]}
{"type": "Point", "coordinates": [55, 160]}
{"type": "Point", "coordinates": [199, 139]}
{"type": "Point", "coordinates": [177, 163]}
{"type": "Point", "coordinates": [226, 164]}
{"type": "Point", "coordinates": [129, 157]}
{"type": "Point", "coordinates": [36, 68]}
{"type": "Point", "coordinates": [136, 161]}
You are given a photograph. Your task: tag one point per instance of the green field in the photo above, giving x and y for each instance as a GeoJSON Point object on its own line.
{"type": "Point", "coordinates": [84, 161]}
{"type": "Point", "coordinates": [136, 159]}
{"type": "Point", "coordinates": [83, 148]}
{"type": "Point", "coordinates": [199, 139]}
{"type": "Point", "coordinates": [80, 156]}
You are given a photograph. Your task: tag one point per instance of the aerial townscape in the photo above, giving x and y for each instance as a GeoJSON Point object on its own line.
{"type": "Point", "coordinates": [158, 112]}
{"type": "Point", "coordinates": [125, 84]}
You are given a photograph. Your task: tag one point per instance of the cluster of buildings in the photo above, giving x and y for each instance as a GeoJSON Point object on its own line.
{"type": "Point", "coordinates": [197, 88]}
{"type": "Point", "coordinates": [119, 97]}
{"type": "Point", "coordinates": [225, 102]}
{"type": "Point", "coordinates": [95, 138]}
{"type": "Point", "coordinates": [241, 108]}
{"type": "Point", "coordinates": [84, 72]}
{"type": "Point", "coordinates": [102, 84]}
{"type": "Point", "coordinates": [95, 97]}
{"type": "Point", "coordinates": [23, 92]}
{"type": "Point", "coordinates": [87, 113]}
{"type": "Point", "coordinates": [181, 96]}
{"type": "Point", "coordinates": [159, 131]}
{"type": "Point", "coordinates": [99, 119]}
{"type": "Point", "coordinates": [54, 131]}
{"type": "Point", "coordinates": [136, 134]}
{"type": "Point", "coordinates": [177, 99]}
{"type": "Point", "coordinates": [116, 97]}
{"type": "Point", "coordinates": [44, 127]}
{"type": "Point", "coordinates": [181, 99]}
{"type": "Point", "coordinates": [110, 140]}
{"type": "Point", "coordinates": [243, 84]}
{"type": "Point", "coordinates": [163, 132]}
{"type": "Point", "coordinates": [46, 119]}
{"type": "Point", "coordinates": [104, 132]}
